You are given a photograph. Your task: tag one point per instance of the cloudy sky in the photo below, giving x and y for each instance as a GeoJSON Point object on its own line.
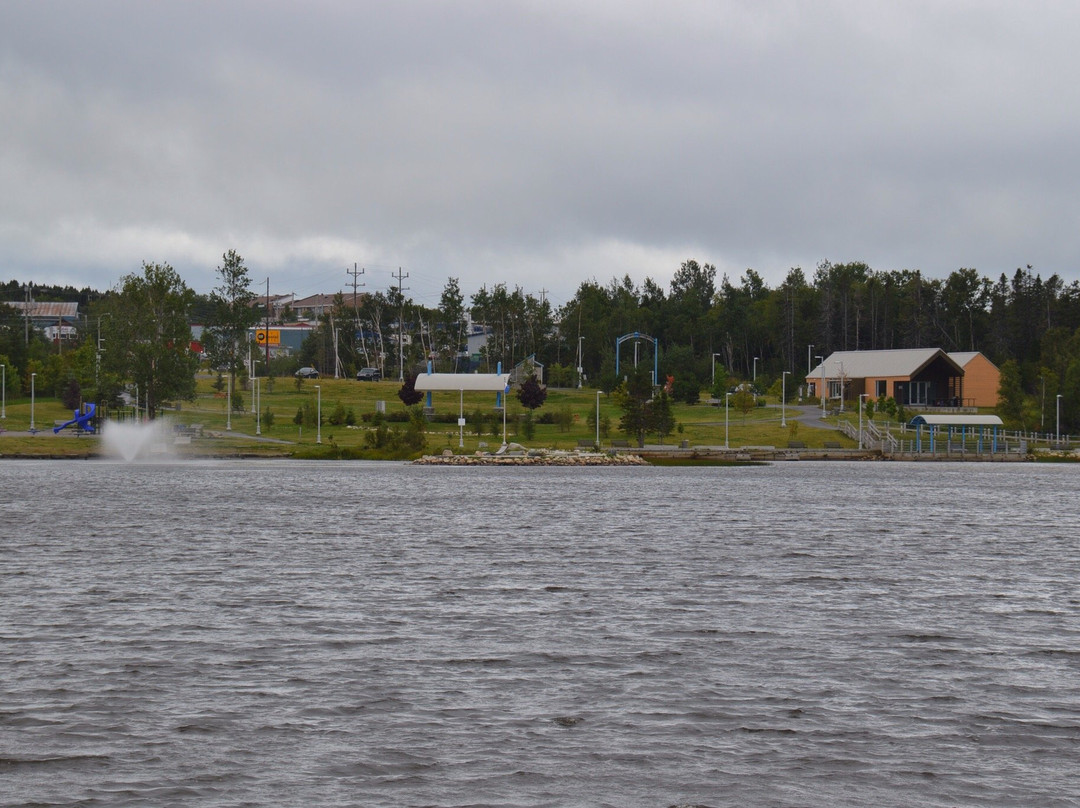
{"type": "Point", "coordinates": [535, 143]}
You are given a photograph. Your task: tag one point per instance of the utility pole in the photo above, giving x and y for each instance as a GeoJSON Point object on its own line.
{"type": "Point", "coordinates": [401, 325]}
{"type": "Point", "coordinates": [355, 272]}
{"type": "Point", "coordinates": [356, 312]}
{"type": "Point", "coordinates": [267, 334]}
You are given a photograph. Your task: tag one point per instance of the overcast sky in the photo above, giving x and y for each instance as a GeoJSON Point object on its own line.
{"type": "Point", "coordinates": [538, 143]}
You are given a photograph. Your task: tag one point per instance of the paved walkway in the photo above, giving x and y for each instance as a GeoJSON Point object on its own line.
{"type": "Point", "coordinates": [808, 414]}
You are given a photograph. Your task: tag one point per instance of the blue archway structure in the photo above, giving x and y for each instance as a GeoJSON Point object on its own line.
{"type": "Point", "coordinates": [637, 335]}
{"type": "Point", "coordinates": [977, 424]}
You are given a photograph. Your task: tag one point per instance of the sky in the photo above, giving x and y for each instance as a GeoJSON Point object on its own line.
{"type": "Point", "coordinates": [538, 144]}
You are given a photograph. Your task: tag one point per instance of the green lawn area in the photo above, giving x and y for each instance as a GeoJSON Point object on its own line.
{"type": "Point", "coordinates": [699, 424]}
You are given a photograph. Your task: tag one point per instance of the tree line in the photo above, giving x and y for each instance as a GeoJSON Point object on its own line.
{"type": "Point", "coordinates": [706, 328]}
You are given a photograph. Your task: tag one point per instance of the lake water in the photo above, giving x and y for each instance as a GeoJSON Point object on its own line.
{"type": "Point", "coordinates": [356, 634]}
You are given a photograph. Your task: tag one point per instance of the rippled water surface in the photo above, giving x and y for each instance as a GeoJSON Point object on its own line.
{"type": "Point", "coordinates": [288, 633]}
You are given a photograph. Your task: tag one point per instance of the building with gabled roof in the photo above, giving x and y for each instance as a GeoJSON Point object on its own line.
{"type": "Point", "coordinates": [313, 306]}
{"type": "Point", "coordinates": [981, 378]}
{"type": "Point", "coordinates": [913, 377]}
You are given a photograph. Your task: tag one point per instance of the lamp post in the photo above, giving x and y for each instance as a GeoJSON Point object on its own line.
{"type": "Point", "coordinates": [318, 413]}
{"type": "Point", "coordinates": [841, 387]}
{"type": "Point", "coordinates": [258, 411]}
{"type": "Point", "coordinates": [756, 358]}
{"type": "Point", "coordinates": [714, 367]}
{"type": "Point", "coordinates": [783, 397]}
{"type": "Point", "coordinates": [822, 360]}
{"type": "Point", "coordinates": [1058, 430]}
{"type": "Point", "coordinates": [228, 407]}
{"type": "Point", "coordinates": [34, 431]}
{"type": "Point", "coordinates": [597, 419]}
{"type": "Point", "coordinates": [1042, 406]}
{"type": "Point", "coordinates": [579, 368]}
{"type": "Point", "coordinates": [809, 350]}
{"type": "Point", "coordinates": [726, 408]}
{"type": "Point", "coordinates": [505, 391]}
{"type": "Point", "coordinates": [861, 397]}
{"type": "Point", "coordinates": [3, 391]}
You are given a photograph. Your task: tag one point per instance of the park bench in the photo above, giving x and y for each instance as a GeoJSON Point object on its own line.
{"type": "Point", "coordinates": [620, 444]}
{"type": "Point", "coordinates": [832, 444]}
{"type": "Point", "coordinates": [796, 444]}
{"type": "Point", "coordinates": [586, 444]}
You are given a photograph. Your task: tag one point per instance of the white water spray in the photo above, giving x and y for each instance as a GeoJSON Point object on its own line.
{"type": "Point", "coordinates": [130, 441]}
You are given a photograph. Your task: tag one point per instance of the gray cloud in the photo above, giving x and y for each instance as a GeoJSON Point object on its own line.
{"type": "Point", "coordinates": [531, 143]}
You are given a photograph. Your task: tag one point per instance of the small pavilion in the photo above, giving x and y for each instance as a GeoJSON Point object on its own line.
{"type": "Point", "coordinates": [498, 383]}
{"type": "Point", "coordinates": [967, 425]}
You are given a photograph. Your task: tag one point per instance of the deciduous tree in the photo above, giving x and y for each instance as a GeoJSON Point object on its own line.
{"type": "Point", "coordinates": [149, 336]}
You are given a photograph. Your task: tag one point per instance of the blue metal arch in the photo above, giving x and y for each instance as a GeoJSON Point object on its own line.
{"type": "Point", "coordinates": [637, 335]}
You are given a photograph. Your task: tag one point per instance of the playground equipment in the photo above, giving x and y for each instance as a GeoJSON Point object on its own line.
{"type": "Point", "coordinates": [81, 421]}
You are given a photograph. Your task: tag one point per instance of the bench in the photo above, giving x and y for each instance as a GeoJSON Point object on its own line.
{"type": "Point", "coordinates": [796, 444]}
{"type": "Point", "coordinates": [586, 444]}
{"type": "Point", "coordinates": [620, 444]}
{"type": "Point", "coordinates": [832, 444]}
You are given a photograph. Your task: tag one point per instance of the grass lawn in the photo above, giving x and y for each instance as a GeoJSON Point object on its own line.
{"type": "Point", "coordinates": [698, 425]}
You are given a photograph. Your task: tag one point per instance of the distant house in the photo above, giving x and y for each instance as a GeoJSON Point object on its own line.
{"type": "Point", "coordinates": [916, 377]}
{"type": "Point", "coordinates": [278, 305]}
{"type": "Point", "coordinates": [981, 378]}
{"type": "Point", "coordinates": [313, 306]}
{"type": "Point", "coordinates": [55, 320]}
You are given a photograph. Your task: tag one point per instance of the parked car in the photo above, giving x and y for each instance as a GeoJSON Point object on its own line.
{"type": "Point", "coordinates": [307, 373]}
{"type": "Point", "coordinates": [369, 375]}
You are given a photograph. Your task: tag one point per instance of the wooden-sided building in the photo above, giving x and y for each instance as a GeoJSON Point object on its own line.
{"type": "Point", "coordinates": [915, 377]}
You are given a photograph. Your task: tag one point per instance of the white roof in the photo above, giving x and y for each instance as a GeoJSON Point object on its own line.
{"type": "Point", "coordinates": [491, 382]}
{"type": "Point", "coordinates": [876, 364]}
{"type": "Point", "coordinates": [933, 419]}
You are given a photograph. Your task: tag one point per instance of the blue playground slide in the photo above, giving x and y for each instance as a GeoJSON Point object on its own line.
{"type": "Point", "coordinates": [80, 422]}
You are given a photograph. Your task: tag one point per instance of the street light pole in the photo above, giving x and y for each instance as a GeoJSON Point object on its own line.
{"type": "Point", "coordinates": [318, 413]}
{"type": "Point", "coordinates": [822, 360]}
{"type": "Point", "coordinates": [783, 397]}
{"type": "Point", "coordinates": [809, 366]}
{"type": "Point", "coordinates": [841, 387]}
{"type": "Point", "coordinates": [228, 407]}
{"type": "Point", "coordinates": [726, 408]}
{"type": "Point", "coordinates": [258, 409]}
{"type": "Point", "coordinates": [3, 391]}
{"type": "Point", "coordinates": [756, 358]}
{"type": "Point", "coordinates": [1058, 407]}
{"type": "Point", "coordinates": [714, 367]}
{"type": "Point", "coordinates": [579, 369]}
{"type": "Point", "coordinates": [597, 419]}
{"type": "Point", "coordinates": [861, 397]}
{"type": "Point", "coordinates": [1042, 406]}
{"type": "Point", "coordinates": [34, 431]}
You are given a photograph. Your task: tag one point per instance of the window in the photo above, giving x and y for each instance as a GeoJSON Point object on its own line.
{"type": "Point", "coordinates": [879, 388]}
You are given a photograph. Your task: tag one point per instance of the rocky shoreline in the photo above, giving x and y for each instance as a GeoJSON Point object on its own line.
{"type": "Point", "coordinates": [533, 459]}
